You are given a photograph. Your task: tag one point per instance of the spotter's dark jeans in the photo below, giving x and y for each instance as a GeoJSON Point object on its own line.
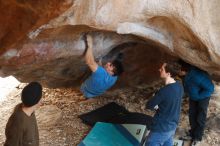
{"type": "Point", "coordinates": [197, 117]}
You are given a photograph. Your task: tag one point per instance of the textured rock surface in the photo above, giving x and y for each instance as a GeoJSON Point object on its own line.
{"type": "Point", "coordinates": [189, 28]}
{"type": "Point", "coordinates": [19, 17]}
{"type": "Point", "coordinates": [43, 40]}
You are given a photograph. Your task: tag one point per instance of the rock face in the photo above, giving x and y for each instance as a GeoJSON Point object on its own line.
{"type": "Point", "coordinates": [43, 41]}
{"type": "Point", "coordinates": [19, 17]}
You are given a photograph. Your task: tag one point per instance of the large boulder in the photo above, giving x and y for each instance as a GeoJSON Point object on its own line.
{"type": "Point", "coordinates": [43, 41]}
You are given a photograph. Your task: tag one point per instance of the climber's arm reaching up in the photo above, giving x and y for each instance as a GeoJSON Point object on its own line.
{"type": "Point", "coordinates": [89, 57]}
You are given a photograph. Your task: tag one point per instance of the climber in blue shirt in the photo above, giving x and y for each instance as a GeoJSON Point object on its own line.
{"type": "Point", "coordinates": [102, 78]}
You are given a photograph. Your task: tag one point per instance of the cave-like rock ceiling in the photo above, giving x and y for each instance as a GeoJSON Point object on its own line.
{"type": "Point", "coordinates": [43, 40]}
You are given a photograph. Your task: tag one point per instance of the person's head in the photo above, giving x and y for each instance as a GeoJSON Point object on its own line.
{"type": "Point", "coordinates": [114, 68]}
{"type": "Point", "coordinates": [31, 94]}
{"type": "Point", "coordinates": [169, 69]}
{"type": "Point", "coordinates": [185, 67]}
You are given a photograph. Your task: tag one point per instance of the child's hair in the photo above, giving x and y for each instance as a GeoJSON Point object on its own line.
{"type": "Point", "coordinates": [31, 94]}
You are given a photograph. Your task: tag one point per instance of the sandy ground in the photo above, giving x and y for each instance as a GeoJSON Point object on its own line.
{"type": "Point", "coordinates": [59, 124]}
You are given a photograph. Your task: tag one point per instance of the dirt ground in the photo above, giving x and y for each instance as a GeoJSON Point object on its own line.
{"type": "Point", "coordinates": [59, 124]}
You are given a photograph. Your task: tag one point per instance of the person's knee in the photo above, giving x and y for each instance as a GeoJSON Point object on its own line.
{"type": "Point", "coordinates": [201, 122]}
{"type": "Point", "coordinates": [152, 143]}
{"type": "Point", "coordinates": [201, 117]}
{"type": "Point", "coordinates": [169, 142]}
{"type": "Point", "coordinates": [154, 139]}
{"type": "Point", "coordinates": [203, 112]}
